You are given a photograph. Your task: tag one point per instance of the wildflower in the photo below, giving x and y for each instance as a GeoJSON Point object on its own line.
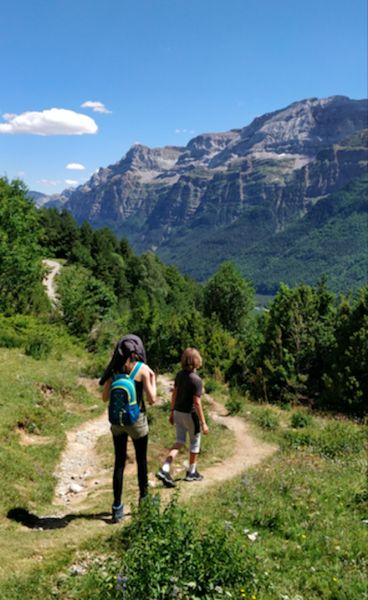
{"type": "Point", "coordinates": [252, 536]}
{"type": "Point", "coordinates": [121, 582]}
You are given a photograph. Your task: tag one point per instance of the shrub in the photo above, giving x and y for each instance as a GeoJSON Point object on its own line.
{"type": "Point", "coordinates": [166, 555]}
{"type": "Point", "coordinates": [335, 440]}
{"type": "Point", "coordinates": [10, 339]}
{"type": "Point", "coordinates": [300, 419]}
{"type": "Point", "coordinates": [267, 419]}
{"type": "Point", "coordinates": [38, 347]}
{"type": "Point", "coordinates": [234, 403]}
{"type": "Point", "coordinates": [211, 385]}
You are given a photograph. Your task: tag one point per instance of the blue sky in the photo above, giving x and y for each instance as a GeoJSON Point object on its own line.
{"type": "Point", "coordinates": [83, 80]}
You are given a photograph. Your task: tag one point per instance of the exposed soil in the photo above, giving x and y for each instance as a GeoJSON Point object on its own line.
{"type": "Point", "coordinates": [54, 268]}
{"type": "Point", "coordinates": [80, 473]}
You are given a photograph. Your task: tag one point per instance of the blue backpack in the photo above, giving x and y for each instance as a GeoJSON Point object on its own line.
{"type": "Point", "coordinates": [123, 404]}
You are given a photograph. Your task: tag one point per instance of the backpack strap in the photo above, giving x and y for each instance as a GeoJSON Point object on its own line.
{"type": "Point", "coordinates": [135, 370]}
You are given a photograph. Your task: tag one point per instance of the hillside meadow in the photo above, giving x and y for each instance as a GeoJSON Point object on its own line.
{"type": "Point", "coordinates": [294, 527]}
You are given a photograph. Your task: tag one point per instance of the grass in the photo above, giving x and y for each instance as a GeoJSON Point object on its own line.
{"type": "Point", "coordinates": [39, 401]}
{"type": "Point", "coordinates": [298, 520]}
{"type": "Point", "coordinates": [42, 399]}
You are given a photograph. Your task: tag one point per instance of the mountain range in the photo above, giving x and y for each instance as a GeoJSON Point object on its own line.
{"type": "Point", "coordinates": [284, 197]}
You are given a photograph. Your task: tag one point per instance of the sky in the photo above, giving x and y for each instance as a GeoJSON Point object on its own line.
{"type": "Point", "coordinates": [84, 80]}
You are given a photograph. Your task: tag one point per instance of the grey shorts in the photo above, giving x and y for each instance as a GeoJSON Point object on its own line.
{"type": "Point", "coordinates": [136, 431]}
{"type": "Point", "coordinates": [188, 423]}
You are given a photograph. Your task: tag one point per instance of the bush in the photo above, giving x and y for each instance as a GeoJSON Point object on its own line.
{"type": "Point", "coordinates": [300, 419]}
{"type": "Point", "coordinates": [267, 419]}
{"type": "Point", "coordinates": [38, 347]}
{"type": "Point", "coordinates": [211, 385]}
{"type": "Point", "coordinates": [166, 555]}
{"type": "Point", "coordinates": [10, 339]}
{"type": "Point", "coordinates": [335, 440]}
{"type": "Point", "coordinates": [234, 403]}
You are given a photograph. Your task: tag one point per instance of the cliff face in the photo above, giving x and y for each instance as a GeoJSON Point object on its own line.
{"type": "Point", "coordinates": [278, 166]}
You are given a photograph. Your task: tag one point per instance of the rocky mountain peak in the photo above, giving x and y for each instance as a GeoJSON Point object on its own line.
{"type": "Point", "coordinates": [303, 128]}
{"type": "Point", "coordinates": [275, 161]}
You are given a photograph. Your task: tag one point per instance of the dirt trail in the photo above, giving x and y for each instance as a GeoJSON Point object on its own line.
{"type": "Point", "coordinates": [79, 473]}
{"type": "Point", "coordinates": [49, 279]}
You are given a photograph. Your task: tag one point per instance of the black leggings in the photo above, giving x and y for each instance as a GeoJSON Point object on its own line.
{"type": "Point", "coordinates": [120, 446]}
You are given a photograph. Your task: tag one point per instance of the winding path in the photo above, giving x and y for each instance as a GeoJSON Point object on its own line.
{"type": "Point", "coordinates": [79, 473]}
{"type": "Point", "coordinates": [54, 268]}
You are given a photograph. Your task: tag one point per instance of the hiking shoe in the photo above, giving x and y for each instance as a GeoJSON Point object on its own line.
{"type": "Point", "coordinates": [166, 478]}
{"type": "Point", "coordinates": [193, 476]}
{"type": "Point", "coordinates": [117, 513]}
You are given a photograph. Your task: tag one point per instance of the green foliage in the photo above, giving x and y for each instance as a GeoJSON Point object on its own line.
{"type": "Point", "coordinates": [302, 348]}
{"type": "Point", "coordinates": [229, 297]}
{"type": "Point", "coordinates": [331, 239]}
{"type": "Point", "coordinates": [60, 232]}
{"type": "Point", "coordinates": [234, 402]}
{"type": "Point", "coordinates": [334, 440]}
{"type": "Point", "coordinates": [20, 253]}
{"type": "Point", "coordinates": [346, 378]}
{"type": "Point", "coordinates": [212, 385]}
{"type": "Point", "coordinates": [84, 299]}
{"type": "Point", "coordinates": [38, 346]}
{"type": "Point", "coordinates": [166, 554]}
{"type": "Point", "coordinates": [298, 336]}
{"type": "Point", "coordinates": [267, 419]}
{"type": "Point", "coordinates": [300, 419]}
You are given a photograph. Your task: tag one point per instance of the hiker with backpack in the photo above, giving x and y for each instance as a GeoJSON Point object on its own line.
{"type": "Point", "coordinates": [187, 415]}
{"type": "Point", "coordinates": [125, 380]}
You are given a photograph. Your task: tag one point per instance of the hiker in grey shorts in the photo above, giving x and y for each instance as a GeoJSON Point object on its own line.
{"type": "Point", "coordinates": [187, 415]}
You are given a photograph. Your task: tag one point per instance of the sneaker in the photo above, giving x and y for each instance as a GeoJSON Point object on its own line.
{"type": "Point", "coordinates": [193, 476]}
{"type": "Point", "coordinates": [117, 513]}
{"type": "Point", "coordinates": [166, 478]}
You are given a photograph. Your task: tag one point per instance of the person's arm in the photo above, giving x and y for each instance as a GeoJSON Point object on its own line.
{"type": "Point", "coordinates": [106, 390]}
{"type": "Point", "coordinates": [173, 399]}
{"type": "Point", "coordinates": [199, 410]}
{"type": "Point", "coordinates": [149, 384]}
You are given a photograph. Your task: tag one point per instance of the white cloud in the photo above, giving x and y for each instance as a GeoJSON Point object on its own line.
{"type": "Point", "coordinates": [96, 106]}
{"type": "Point", "coordinates": [53, 121]}
{"type": "Point", "coordinates": [71, 182]}
{"type": "Point", "coordinates": [52, 182]}
{"type": "Point", "coordinates": [184, 130]}
{"type": "Point", "coordinates": [75, 167]}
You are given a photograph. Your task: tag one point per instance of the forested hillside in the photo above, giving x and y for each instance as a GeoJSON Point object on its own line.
{"type": "Point", "coordinates": [303, 348]}
{"type": "Point", "coordinates": [257, 195]}
{"type": "Point", "coordinates": [292, 379]}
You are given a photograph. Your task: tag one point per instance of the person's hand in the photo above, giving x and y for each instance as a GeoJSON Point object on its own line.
{"type": "Point", "coordinates": [171, 418]}
{"type": "Point", "coordinates": [205, 429]}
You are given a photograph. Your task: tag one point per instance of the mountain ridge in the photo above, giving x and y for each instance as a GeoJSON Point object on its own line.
{"type": "Point", "coordinates": [277, 167]}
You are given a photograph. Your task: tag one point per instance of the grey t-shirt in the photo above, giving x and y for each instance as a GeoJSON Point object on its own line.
{"type": "Point", "coordinates": [187, 384]}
